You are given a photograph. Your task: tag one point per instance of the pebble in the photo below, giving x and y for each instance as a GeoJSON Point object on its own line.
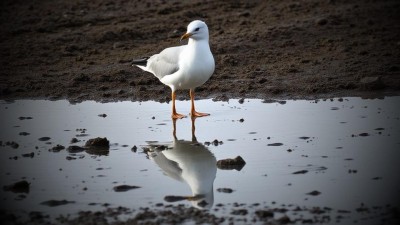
{"type": "Point", "coordinates": [124, 187]}
{"type": "Point", "coordinates": [18, 187]}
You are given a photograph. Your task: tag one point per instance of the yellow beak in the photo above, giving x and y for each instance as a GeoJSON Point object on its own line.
{"type": "Point", "coordinates": [186, 36]}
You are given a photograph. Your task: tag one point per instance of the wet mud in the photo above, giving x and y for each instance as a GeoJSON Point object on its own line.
{"type": "Point", "coordinates": [269, 50]}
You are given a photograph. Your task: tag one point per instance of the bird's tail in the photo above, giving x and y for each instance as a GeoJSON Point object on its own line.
{"type": "Point", "coordinates": [140, 62]}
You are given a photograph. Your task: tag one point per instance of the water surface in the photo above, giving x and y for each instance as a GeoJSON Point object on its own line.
{"type": "Point", "coordinates": [347, 150]}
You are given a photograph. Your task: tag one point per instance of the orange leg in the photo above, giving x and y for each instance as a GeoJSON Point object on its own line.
{"type": "Point", "coordinates": [194, 139]}
{"type": "Point", "coordinates": [193, 112]}
{"type": "Point", "coordinates": [175, 115]}
{"type": "Point", "coordinates": [174, 129]}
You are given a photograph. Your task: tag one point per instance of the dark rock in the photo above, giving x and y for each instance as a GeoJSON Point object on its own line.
{"type": "Point", "coordinates": [225, 190]}
{"type": "Point", "coordinates": [74, 140]}
{"type": "Point", "coordinates": [304, 138]}
{"type": "Point", "coordinates": [314, 193]}
{"type": "Point", "coordinates": [124, 187]}
{"type": "Point", "coordinates": [321, 21]}
{"type": "Point", "coordinates": [275, 144]}
{"type": "Point", "coordinates": [300, 172]}
{"type": "Point", "coordinates": [264, 214]}
{"type": "Point", "coordinates": [98, 146]}
{"type": "Point", "coordinates": [75, 149]}
{"type": "Point", "coordinates": [229, 164]}
{"type": "Point", "coordinates": [173, 198]}
{"type": "Point", "coordinates": [216, 142]}
{"type": "Point", "coordinates": [18, 187]}
{"type": "Point", "coordinates": [98, 142]}
{"type": "Point", "coordinates": [202, 203]}
{"type": "Point", "coordinates": [28, 155]}
{"type": "Point", "coordinates": [57, 148]}
{"type": "Point", "coordinates": [242, 212]}
{"type": "Point", "coordinates": [284, 220]}
{"type": "Point", "coordinates": [12, 144]}
{"type": "Point", "coordinates": [53, 203]}
{"type": "Point", "coordinates": [244, 14]}
{"type": "Point", "coordinates": [25, 118]}
{"type": "Point", "coordinates": [44, 139]}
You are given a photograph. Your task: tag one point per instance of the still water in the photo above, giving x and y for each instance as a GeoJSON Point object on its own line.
{"type": "Point", "coordinates": [337, 153]}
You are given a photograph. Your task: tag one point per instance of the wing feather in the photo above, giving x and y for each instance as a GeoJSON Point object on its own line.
{"type": "Point", "coordinates": [165, 63]}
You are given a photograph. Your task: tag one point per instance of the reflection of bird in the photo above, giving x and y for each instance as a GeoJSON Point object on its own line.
{"type": "Point", "coordinates": [191, 162]}
{"type": "Point", "coordinates": [183, 67]}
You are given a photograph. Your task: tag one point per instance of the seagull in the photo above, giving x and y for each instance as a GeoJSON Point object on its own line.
{"type": "Point", "coordinates": [183, 67]}
{"type": "Point", "coordinates": [190, 162]}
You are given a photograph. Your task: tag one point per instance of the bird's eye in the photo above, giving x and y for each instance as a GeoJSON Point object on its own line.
{"type": "Point", "coordinates": [197, 29]}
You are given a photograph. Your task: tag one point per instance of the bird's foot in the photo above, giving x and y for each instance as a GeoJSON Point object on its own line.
{"type": "Point", "coordinates": [198, 114]}
{"type": "Point", "coordinates": [177, 116]}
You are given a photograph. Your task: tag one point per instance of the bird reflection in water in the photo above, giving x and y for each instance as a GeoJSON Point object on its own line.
{"type": "Point", "coordinates": [190, 162]}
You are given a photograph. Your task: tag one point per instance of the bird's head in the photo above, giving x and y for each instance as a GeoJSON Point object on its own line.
{"type": "Point", "coordinates": [196, 30]}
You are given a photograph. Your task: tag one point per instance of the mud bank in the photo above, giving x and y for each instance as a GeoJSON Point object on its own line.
{"type": "Point", "coordinates": [269, 49]}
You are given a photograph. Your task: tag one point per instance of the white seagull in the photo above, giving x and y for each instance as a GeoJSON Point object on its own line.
{"type": "Point", "coordinates": [190, 162]}
{"type": "Point", "coordinates": [183, 67]}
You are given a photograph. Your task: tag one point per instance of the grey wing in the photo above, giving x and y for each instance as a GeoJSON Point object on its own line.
{"type": "Point", "coordinates": [166, 62]}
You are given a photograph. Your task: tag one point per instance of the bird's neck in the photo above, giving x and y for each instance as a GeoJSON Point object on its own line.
{"type": "Point", "coordinates": [198, 43]}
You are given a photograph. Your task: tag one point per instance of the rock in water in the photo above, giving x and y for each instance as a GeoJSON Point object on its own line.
{"type": "Point", "coordinates": [229, 164]}
{"type": "Point", "coordinates": [18, 187]}
{"type": "Point", "coordinates": [97, 146]}
{"type": "Point", "coordinates": [98, 142]}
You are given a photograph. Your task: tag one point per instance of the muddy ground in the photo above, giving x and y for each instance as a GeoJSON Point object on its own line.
{"type": "Point", "coordinates": [271, 49]}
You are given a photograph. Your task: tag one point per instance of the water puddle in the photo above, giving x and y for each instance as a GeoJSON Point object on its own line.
{"type": "Point", "coordinates": [341, 154]}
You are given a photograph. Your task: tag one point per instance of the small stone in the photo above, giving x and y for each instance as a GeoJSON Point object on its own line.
{"type": "Point", "coordinates": [225, 190]}
{"type": "Point", "coordinates": [300, 172]}
{"type": "Point", "coordinates": [44, 139]}
{"type": "Point", "coordinates": [284, 220]}
{"type": "Point", "coordinates": [228, 164]}
{"type": "Point", "coordinates": [264, 214]}
{"type": "Point", "coordinates": [18, 187]}
{"type": "Point", "coordinates": [321, 21]}
{"type": "Point", "coordinates": [74, 140]}
{"type": "Point", "coordinates": [28, 155]}
{"type": "Point", "coordinates": [57, 148]}
{"type": "Point", "coordinates": [124, 187]}
{"type": "Point", "coordinates": [53, 203]}
{"type": "Point", "coordinates": [98, 142]}
{"type": "Point", "coordinates": [314, 193]}
{"type": "Point", "coordinates": [239, 212]}
{"type": "Point", "coordinates": [244, 14]}
{"type": "Point", "coordinates": [275, 144]}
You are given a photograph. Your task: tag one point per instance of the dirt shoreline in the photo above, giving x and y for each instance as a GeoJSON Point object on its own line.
{"type": "Point", "coordinates": [269, 50]}
{"type": "Point", "coordinates": [274, 49]}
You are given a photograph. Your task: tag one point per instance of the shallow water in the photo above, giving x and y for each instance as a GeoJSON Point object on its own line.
{"type": "Point", "coordinates": [346, 149]}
